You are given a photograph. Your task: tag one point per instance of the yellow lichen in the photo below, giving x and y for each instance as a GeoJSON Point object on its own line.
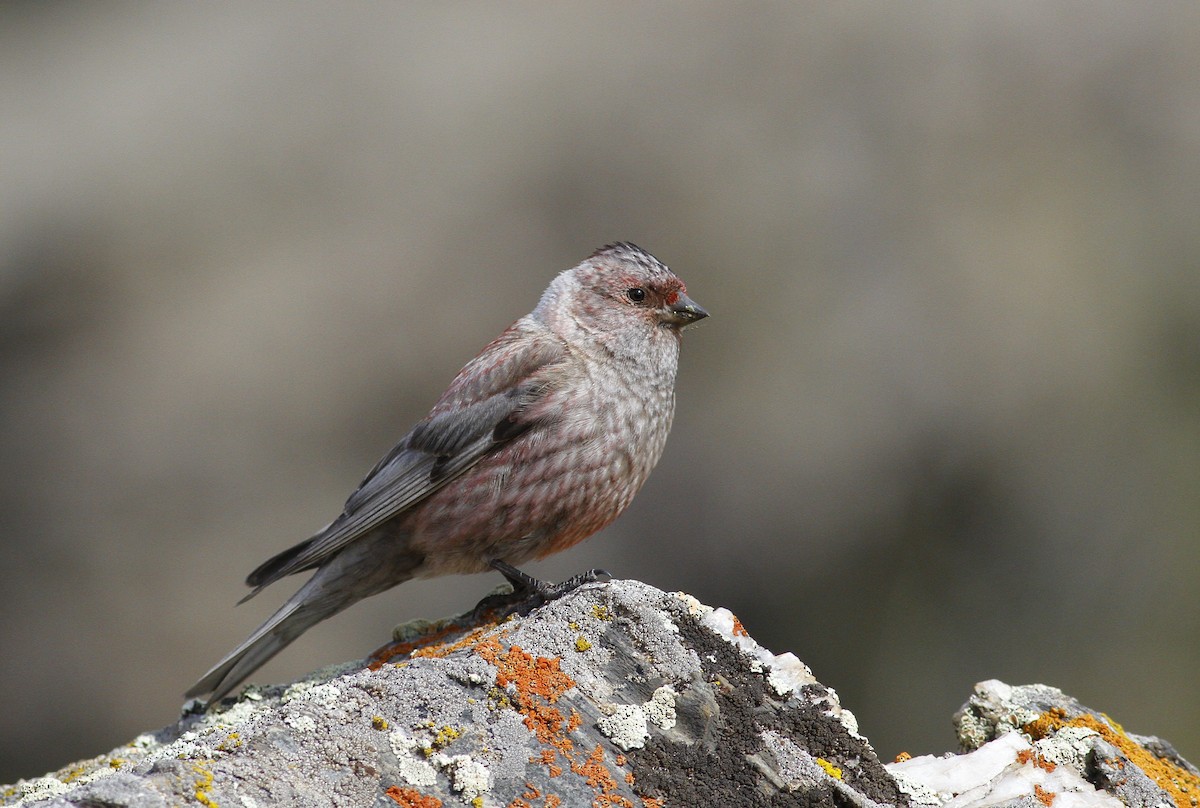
{"type": "Point", "coordinates": [581, 644]}
{"type": "Point", "coordinates": [379, 722]}
{"type": "Point", "coordinates": [202, 784]}
{"type": "Point", "coordinates": [830, 769]}
{"type": "Point", "coordinates": [232, 741]}
{"type": "Point", "coordinates": [498, 700]}
{"type": "Point", "coordinates": [446, 736]}
{"type": "Point", "coordinates": [71, 774]}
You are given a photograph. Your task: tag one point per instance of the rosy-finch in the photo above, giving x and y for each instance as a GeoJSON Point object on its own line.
{"type": "Point", "coordinates": [539, 442]}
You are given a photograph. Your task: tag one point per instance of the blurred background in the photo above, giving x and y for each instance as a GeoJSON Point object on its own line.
{"type": "Point", "coordinates": [942, 426]}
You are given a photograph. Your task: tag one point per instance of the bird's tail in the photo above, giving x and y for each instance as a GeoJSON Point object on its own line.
{"type": "Point", "coordinates": [309, 606]}
{"type": "Point", "coordinates": [372, 564]}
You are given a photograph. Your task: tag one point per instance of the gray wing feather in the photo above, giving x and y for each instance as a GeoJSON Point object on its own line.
{"type": "Point", "coordinates": [434, 453]}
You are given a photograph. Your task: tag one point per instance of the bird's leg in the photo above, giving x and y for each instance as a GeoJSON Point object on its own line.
{"type": "Point", "coordinates": [591, 576]}
{"type": "Point", "coordinates": [528, 592]}
{"type": "Point", "coordinates": [526, 584]}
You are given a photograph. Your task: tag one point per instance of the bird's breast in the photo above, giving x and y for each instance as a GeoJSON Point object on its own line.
{"type": "Point", "coordinates": [595, 443]}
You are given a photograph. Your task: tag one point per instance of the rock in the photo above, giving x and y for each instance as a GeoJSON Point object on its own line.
{"type": "Point", "coordinates": [616, 695]}
{"type": "Point", "coordinates": [1034, 746]}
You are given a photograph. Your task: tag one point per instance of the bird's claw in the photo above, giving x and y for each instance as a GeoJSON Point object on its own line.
{"type": "Point", "coordinates": [525, 584]}
{"type": "Point", "coordinates": [553, 591]}
{"type": "Point", "coordinates": [533, 592]}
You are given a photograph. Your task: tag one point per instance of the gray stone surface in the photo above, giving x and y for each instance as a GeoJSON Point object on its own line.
{"type": "Point", "coordinates": [618, 694]}
{"type": "Point", "coordinates": [615, 695]}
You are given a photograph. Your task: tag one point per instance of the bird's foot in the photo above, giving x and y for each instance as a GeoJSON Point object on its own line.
{"type": "Point", "coordinates": [525, 584]}
{"type": "Point", "coordinates": [528, 592]}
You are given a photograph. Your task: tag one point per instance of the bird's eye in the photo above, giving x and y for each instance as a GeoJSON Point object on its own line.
{"type": "Point", "coordinates": [637, 294]}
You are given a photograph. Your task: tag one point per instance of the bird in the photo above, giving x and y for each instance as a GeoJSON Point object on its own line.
{"type": "Point", "coordinates": [539, 442]}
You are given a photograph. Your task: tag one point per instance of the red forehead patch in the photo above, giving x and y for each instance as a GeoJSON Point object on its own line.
{"type": "Point", "coordinates": [666, 290]}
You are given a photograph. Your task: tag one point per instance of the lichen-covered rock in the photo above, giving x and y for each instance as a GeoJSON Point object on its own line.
{"type": "Point", "coordinates": [1034, 746]}
{"type": "Point", "coordinates": [617, 694]}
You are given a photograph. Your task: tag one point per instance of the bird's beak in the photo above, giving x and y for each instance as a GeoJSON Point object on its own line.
{"type": "Point", "coordinates": [685, 311]}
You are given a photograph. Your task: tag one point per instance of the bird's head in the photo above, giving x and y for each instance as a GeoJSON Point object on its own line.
{"type": "Point", "coordinates": [621, 291]}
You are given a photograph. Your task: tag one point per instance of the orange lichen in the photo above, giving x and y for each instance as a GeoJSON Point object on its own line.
{"type": "Point", "coordinates": [537, 683]}
{"type": "Point", "coordinates": [473, 639]}
{"type": "Point", "coordinates": [547, 723]}
{"type": "Point", "coordinates": [546, 758]}
{"type": "Point", "coordinates": [537, 676]}
{"type": "Point", "coordinates": [1043, 796]}
{"type": "Point", "coordinates": [411, 798]}
{"type": "Point", "coordinates": [903, 756]}
{"type": "Point", "coordinates": [1029, 756]}
{"type": "Point", "coordinates": [653, 802]}
{"type": "Point", "coordinates": [597, 775]}
{"type": "Point", "coordinates": [386, 653]}
{"type": "Point", "coordinates": [1045, 724]}
{"type": "Point", "coordinates": [530, 794]}
{"type": "Point", "coordinates": [738, 629]}
{"type": "Point", "coordinates": [1181, 785]}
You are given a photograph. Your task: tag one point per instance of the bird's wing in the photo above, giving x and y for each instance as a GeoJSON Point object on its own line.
{"type": "Point", "coordinates": [463, 429]}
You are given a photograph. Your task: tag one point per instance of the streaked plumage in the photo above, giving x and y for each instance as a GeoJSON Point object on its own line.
{"type": "Point", "coordinates": [540, 441]}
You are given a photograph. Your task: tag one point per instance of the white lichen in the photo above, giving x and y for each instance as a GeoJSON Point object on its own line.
{"type": "Point", "coordinates": [301, 723]}
{"type": "Point", "coordinates": [626, 726]}
{"type": "Point", "coordinates": [1069, 746]}
{"type": "Point", "coordinates": [660, 709]}
{"type": "Point", "coordinates": [467, 775]}
{"type": "Point", "coordinates": [324, 695]}
{"type": "Point", "coordinates": [695, 608]}
{"type": "Point", "coordinates": [416, 771]}
{"type": "Point", "coordinates": [40, 788]}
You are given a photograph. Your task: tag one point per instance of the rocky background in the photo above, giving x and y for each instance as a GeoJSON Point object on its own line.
{"type": "Point", "coordinates": [942, 426]}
